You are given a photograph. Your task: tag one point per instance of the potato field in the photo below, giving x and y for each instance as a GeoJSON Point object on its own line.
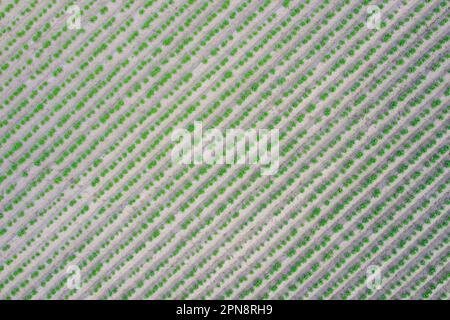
{"type": "Point", "coordinates": [92, 205]}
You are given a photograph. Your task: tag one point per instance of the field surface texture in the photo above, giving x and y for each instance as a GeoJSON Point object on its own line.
{"type": "Point", "coordinates": [93, 205]}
